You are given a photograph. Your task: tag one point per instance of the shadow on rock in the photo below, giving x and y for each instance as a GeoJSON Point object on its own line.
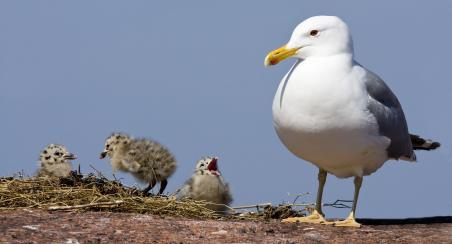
{"type": "Point", "coordinates": [407, 221]}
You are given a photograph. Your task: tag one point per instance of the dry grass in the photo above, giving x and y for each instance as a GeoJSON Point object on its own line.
{"type": "Point", "coordinates": [46, 193]}
{"type": "Point", "coordinates": [91, 193]}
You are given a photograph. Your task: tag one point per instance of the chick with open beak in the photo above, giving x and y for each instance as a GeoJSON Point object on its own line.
{"type": "Point", "coordinates": [212, 167]}
{"type": "Point", "coordinates": [207, 184]}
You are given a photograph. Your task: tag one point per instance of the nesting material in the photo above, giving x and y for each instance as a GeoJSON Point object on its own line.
{"type": "Point", "coordinates": [97, 193]}
{"type": "Point", "coordinates": [52, 192]}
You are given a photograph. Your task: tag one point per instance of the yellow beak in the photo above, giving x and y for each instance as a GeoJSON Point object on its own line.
{"type": "Point", "coordinates": [278, 55]}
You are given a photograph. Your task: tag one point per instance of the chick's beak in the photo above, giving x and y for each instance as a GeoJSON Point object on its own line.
{"type": "Point", "coordinates": [103, 154]}
{"type": "Point", "coordinates": [278, 55]}
{"type": "Point", "coordinates": [213, 167]}
{"type": "Point", "coordinates": [70, 156]}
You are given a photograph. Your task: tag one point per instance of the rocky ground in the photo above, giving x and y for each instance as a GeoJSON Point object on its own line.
{"type": "Point", "coordinates": [37, 226]}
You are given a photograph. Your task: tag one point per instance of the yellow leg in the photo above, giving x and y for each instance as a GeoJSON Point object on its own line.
{"type": "Point", "coordinates": [350, 220]}
{"type": "Point", "coordinates": [316, 217]}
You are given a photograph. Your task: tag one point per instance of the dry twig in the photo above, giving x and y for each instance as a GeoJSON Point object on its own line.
{"type": "Point", "coordinates": [98, 204]}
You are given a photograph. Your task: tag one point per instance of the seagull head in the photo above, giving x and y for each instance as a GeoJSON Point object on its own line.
{"type": "Point", "coordinates": [208, 165]}
{"type": "Point", "coordinates": [55, 154]}
{"type": "Point", "coordinates": [318, 36]}
{"type": "Point", "coordinates": [114, 143]}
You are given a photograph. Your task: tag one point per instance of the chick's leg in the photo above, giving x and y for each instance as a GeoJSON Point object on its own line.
{"type": "Point", "coordinates": [350, 220]}
{"type": "Point", "coordinates": [150, 186]}
{"type": "Point", "coordinates": [316, 217]}
{"type": "Point", "coordinates": [163, 184]}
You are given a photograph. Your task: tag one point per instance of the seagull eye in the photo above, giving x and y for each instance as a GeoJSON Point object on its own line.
{"type": "Point", "coordinates": [314, 33]}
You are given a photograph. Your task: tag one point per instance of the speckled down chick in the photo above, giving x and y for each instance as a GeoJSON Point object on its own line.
{"type": "Point", "coordinates": [207, 184]}
{"type": "Point", "coordinates": [147, 160]}
{"type": "Point", "coordinates": [116, 148]}
{"type": "Point", "coordinates": [54, 160]}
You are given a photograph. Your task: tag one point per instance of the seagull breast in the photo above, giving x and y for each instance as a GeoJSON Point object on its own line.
{"type": "Point", "coordinates": [319, 113]}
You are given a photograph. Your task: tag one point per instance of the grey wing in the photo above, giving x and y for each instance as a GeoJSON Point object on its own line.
{"type": "Point", "coordinates": [227, 197]}
{"type": "Point", "coordinates": [185, 191]}
{"type": "Point", "coordinates": [386, 108]}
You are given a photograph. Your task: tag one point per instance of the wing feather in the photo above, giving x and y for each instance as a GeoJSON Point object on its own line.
{"type": "Point", "coordinates": [386, 108]}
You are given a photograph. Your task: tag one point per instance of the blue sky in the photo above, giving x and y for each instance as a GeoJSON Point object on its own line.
{"type": "Point", "coordinates": [191, 76]}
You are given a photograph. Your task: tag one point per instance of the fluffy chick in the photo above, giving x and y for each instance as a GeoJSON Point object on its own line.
{"type": "Point", "coordinates": [147, 160]}
{"type": "Point", "coordinates": [116, 148]}
{"type": "Point", "coordinates": [55, 161]}
{"type": "Point", "coordinates": [207, 184]}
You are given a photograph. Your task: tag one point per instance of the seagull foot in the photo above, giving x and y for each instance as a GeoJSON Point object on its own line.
{"type": "Point", "coordinates": [348, 222]}
{"type": "Point", "coordinates": [314, 218]}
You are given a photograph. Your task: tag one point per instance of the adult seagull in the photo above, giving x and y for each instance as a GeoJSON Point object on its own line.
{"type": "Point", "coordinates": [336, 114]}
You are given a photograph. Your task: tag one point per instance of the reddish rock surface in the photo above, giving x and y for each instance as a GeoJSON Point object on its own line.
{"type": "Point", "coordinates": [37, 226]}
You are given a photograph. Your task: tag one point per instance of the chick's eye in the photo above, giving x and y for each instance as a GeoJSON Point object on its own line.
{"type": "Point", "coordinates": [314, 33]}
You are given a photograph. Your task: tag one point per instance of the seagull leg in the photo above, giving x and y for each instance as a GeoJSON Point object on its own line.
{"type": "Point", "coordinates": [163, 184]}
{"type": "Point", "coordinates": [350, 220]}
{"type": "Point", "coordinates": [150, 186]}
{"type": "Point", "coordinates": [316, 217]}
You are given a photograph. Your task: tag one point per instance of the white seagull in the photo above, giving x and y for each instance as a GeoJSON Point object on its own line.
{"type": "Point", "coordinates": [336, 114]}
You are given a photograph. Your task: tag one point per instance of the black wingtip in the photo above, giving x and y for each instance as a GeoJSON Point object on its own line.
{"type": "Point", "coordinates": [420, 143]}
{"type": "Point", "coordinates": [435, 145]}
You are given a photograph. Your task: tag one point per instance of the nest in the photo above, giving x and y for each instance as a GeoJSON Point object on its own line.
{"type": "Point", "coordinates": [269, 212]}
{"type": "Point", "coordinates": [93, 193]}
{"type": "Point", "coordinates": [97, 193]}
